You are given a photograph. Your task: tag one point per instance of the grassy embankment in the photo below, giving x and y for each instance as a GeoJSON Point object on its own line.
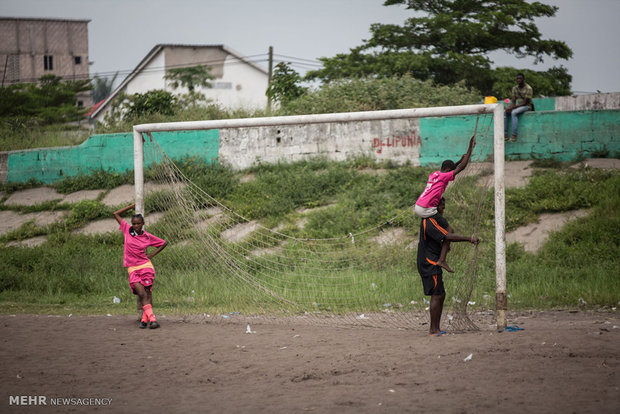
{"type": "Point", "coordinates": [74, 273]}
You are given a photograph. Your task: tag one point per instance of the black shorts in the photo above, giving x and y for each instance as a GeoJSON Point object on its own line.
{"type": "Point", "coordinates": [433, 285]}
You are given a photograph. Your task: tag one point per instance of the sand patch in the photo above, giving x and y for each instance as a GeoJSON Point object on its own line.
{"type": "Point", "coordinates": [46, 218]}
{"type": "Point", "coordinates": [240, 231]}
{"type": "Point", "coordinates": [516, 173]}
{"type": "Point", "coordinates": [396, 235]}
{"type": "Point", "coordinates": [305, 210]}
{"type": "Point", "coordinates": [603, 163]}
{"type": "Point", "coordinates": [32, 242]}
{"type": "Point", "coordinates": [534, 235]}
{"type": "Point", "coordinates": [248, 178]}
{"type": "Point", "coordinates": [81, 196]}
{"type": "Point", "coordinates": [98, 227]}
{"type": "Point", "coordinates": [372, 171]}
{"type": "Point", "coordinates": [33, 196]}
{"type": "Point", "coordinates": [11, 220]}
{"type": "Point", "coordinates": [110, 225]}
{"type": "Point", "coordinates": [207, 217]}
{"type": "Point", "coordinates": [267, 250]}
{"type": "Point", "coordinates": [124, 195]}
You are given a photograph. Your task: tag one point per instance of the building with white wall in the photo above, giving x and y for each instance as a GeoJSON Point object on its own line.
{"type": "Point", "coordinates": [238, 82]}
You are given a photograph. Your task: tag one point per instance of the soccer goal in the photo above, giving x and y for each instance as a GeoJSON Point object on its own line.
{"type": "Point", "coordinates": [238, 267]}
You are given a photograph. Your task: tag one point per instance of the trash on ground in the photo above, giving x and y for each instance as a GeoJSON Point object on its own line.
{"type": "Point", "coordinates": [468, 358]}
{"type": "Point", "coordinates": [511, 328]}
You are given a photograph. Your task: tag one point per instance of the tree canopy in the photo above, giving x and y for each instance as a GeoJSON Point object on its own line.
{"type": "Point", "coordinates": [449, 41]}
{"type": "Point", "coordinates": [190, 77]}
{"type": "Point", "coordinates": [284, 85]}
{"type": "Point", "coordinates": [52, 100]}
{"type": "Point", "coordinates": [103, 87]}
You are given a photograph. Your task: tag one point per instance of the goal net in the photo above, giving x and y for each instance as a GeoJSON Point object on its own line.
{"type": "Point", "coordinates": [225, 265]}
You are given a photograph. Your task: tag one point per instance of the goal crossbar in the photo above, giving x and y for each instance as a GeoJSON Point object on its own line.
{"type": "Point", "coordinates": [498, 160]}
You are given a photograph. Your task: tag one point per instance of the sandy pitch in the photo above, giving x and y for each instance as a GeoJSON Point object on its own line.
{"type": "Point", "coordinates": [561, 363]}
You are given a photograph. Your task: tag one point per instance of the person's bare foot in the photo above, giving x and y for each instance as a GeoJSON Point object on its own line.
{"type": "Point", "coordinates": [445, 266]}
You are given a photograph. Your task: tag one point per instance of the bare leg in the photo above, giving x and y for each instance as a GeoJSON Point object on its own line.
{"type": "Point", "coordinates": [139, 307]}
{"type": "Point", "coordinates": [436, 308]}
{"type": "Point", "coordinates": [445, 248]}
{"type": "Point", "coordinates": [143, 296]}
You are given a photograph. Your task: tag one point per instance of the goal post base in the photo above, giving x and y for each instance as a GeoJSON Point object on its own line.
{"type": "Point", "coordinates": [501, 305]}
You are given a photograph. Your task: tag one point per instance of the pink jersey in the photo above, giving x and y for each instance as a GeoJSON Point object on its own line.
{"type": "Point", "coordinates": [135, 245]}
{"type": "Point", "coordinates": [436, 185]}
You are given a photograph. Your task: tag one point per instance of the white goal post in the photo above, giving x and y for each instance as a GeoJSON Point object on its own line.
{"type": "Point", "coordinates": [498, 146]}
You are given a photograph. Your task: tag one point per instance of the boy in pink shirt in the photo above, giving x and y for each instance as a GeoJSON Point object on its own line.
{"type": "Point", "coordinates": [138, 262]}
{"type": "Point", "coordinates": [426, 206]}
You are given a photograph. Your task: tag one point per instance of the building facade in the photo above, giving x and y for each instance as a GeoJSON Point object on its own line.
{"type": "Point", "coordinates": [238, 82]}
{"type": "Point", "coordinates": [32, 47]}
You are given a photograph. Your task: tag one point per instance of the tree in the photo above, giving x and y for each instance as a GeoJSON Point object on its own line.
{"type": "Point", "coordinates": [103, 87]}
{"type": "Point", "coordinates": [284, 86]}
{"type": "Point", "coordinates": [191, 78]}
{"type": "Point", "coordinates": [52, 100]}
{"type": "Point", "coordinates": [449, 42]}
{"type": "Point", "coordinates": [553, 82]}
{"type": "Point", "coordinates": [156, 101]}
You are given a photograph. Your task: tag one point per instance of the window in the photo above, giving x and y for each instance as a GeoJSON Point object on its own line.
{"type": "Point", "coordinates": [48, 62]}
{"type": "Point", "coordinates": [221, 85]}
{"type": "Point", "coordinates": [77, 60]}
{"type": "Point", "coordinates": [80, 104]}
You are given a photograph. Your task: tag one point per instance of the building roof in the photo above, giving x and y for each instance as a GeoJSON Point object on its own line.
{"type": "Point", "coordinates": [45, 19]}
{"type": "Point", "coordinates": [153, 52]}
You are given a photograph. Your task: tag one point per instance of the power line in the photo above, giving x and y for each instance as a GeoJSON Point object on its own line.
{"type": "Point", "coordinates": [298, 58]}
{"type": "Point", "coordinates": [300, 62]}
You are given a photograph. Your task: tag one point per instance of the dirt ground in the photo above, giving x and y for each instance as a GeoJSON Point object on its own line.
{"type": "Point", "coordinates": [561, 362]}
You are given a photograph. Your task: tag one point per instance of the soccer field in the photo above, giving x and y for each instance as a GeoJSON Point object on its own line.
{"type": "Point", "coordinates": [561, 362]}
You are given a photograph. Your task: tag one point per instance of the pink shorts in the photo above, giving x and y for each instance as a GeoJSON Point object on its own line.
{"type": "Point", "coordinates": [143, 276]}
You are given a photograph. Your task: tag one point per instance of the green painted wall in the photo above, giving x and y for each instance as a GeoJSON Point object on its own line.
{"type": "Point", "coordinates": [110, 152]}
{"type": "Point", "coordinates": [563, 136]}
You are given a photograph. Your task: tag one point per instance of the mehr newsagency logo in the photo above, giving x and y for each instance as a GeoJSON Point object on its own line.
{"type": "Point", "coordinates": [57, 401]}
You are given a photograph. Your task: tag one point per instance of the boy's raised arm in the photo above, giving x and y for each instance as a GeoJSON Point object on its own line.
{"type": "Point", "coordinates": [462, 163]}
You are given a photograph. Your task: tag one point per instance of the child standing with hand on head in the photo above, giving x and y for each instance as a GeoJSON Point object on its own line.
{"type": "Point", "coordinates": [138, 262]}
{"type": "Point", "coordinates": [427, 203]}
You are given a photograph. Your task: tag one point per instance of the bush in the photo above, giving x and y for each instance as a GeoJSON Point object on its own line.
{"type": "Point", "coordinates": [379, 94]}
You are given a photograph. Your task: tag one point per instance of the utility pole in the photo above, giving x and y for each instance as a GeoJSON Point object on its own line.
{"type": "Point", "coordinates": [269, 75]}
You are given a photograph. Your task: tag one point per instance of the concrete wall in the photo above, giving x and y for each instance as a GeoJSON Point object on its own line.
{"type": "Point", "coordinates": [111, 152]}
{"type": "Point", "coordinates": [542, 134]}
{"type": "Point", "coordinates": [597, 101]}
{"type": "Point", "coordinates": [397, 140]}
{"type": "Point", "coordinates": [594, 101]}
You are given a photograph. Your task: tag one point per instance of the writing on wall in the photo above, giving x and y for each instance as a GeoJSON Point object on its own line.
{"type": "Point", "coordinates": [411, 139]}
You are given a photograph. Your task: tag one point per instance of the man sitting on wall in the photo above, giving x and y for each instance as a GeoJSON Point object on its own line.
{"type": "Point", "coordinates": [520, 102]}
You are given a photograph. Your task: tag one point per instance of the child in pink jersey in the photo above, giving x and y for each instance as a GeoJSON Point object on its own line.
{"type": "Point", "coordinates": [138, 262]}
{"type": "Point", "coordinates": [426, 206]}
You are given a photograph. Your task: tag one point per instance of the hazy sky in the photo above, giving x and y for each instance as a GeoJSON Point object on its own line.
{"type": "Point", "coordinates": [122, 32]}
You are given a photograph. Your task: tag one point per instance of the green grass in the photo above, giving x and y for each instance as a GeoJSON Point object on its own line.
{"type": "Point", "coordinates": [74, 273]}
{"type": "Point", "coordinates": [24, 134]}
